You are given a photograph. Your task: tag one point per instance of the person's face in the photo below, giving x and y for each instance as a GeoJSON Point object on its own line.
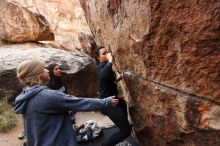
{"type": "Point", "coordinates": [57, 71]}
{"type": "Point", "coordinates": [45, 75]}
{"type": "Point", "coordinates": [103, 55]}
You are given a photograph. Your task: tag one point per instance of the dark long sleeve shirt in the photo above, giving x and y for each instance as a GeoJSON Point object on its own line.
{"type": "Point", "coordinates": [107, 80]}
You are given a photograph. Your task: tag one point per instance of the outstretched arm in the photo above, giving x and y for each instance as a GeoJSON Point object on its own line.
{"type": "Point", "coordinates": [61, 102]}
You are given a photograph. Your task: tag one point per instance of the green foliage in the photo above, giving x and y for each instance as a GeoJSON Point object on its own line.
{"type": "Point", "coordinates": [1, 108]}
{"type": "Point", "coordinates": [7, 122]}
{"type": "Point", "coordinates": [7, 116]}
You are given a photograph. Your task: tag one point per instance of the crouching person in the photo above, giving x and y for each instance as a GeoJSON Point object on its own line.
{"type": "Point", "coordinates": [45, 111]}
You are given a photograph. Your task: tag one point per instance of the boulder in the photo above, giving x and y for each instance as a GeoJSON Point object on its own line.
{"type": "Point", "coordinates": [79, 70]}
{"type": "Point", "coordinates": [18, 24]}
{"type": "Point", "coordinates": [163, 116]}
{"type": "Point", "coordinates": [88, 43]}
{"type": "Point", "coordinates": [162, 41]}
{"type": "Point", "coordinates": [169, 44]}
{"type": "Point", "coordinates": [65, 17]}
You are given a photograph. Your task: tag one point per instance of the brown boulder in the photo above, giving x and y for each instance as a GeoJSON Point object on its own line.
{"type": "Point", "coordinates": [171, 48]}
{"type": "Point", "coordinates": [65, 17]}
{"type": "Point", "coordinates": [18, 24]}
{"type": "Point", "coordinates": [164, 116]}
{"type": "Point", "coordinates": [88, 43]}
{"type": "Point", "coordinates": [171, 43]}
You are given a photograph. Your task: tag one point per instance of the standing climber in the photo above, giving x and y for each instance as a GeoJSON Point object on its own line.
{"type": "Point", "coordinates": [108, 87]}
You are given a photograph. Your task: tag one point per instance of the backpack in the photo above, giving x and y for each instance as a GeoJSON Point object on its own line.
{"type": "Point", "coordinates": [87, 132]}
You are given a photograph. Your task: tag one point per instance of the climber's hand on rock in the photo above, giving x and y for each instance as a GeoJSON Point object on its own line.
{"type": "Point", "coordinates": [109, 56]}
{"type": "Point", "coordinates": [119, 77]}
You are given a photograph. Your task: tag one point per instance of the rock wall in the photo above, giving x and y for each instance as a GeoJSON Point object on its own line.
{"type": "Point", "coordinates": [171, 51]}
{"type": "Point", "coordinates": [65, 17]}
{"type": "Point", "coordinates": [24, 26]}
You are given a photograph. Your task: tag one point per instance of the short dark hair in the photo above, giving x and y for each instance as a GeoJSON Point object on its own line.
{"type": "Point", "coordinates": [96, 53]}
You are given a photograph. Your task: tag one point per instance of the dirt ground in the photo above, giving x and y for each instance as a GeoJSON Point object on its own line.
{"type": "Point", "coordinates": [102, 120]}
{"type": "Point", "coordinates": [11, 138]}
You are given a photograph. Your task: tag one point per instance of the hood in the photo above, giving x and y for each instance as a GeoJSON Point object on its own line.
{"type": "Point", "coordinates": [22, 99]}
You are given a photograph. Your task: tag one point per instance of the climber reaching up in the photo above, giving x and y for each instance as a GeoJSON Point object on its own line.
{"type": "Point", "coordinates": [108, 87]}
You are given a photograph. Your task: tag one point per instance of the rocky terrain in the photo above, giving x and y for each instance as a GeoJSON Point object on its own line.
{"type": "Point", "coordinates": [168, 50]}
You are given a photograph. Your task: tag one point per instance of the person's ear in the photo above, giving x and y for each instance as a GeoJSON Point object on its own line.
{"type": "Point", "coordinates": [98, 58]}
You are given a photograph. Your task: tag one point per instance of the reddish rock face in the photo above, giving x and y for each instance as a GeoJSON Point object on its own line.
{"type": "Point", "coordinates": [24, 26]}
{"type": "Point", "coordinates": [164, 116]}
{"type": "Point", "coordinates": [88, 43]}
{"type": "Point", "coordinates": [65, 17]}
{"type": "Point", "coordinates": [173, 43]}
{"type": "Point", "coordinates": [171, 49]}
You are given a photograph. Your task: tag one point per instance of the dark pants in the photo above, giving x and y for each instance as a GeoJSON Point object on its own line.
{"type": "Point", "coordinates": [119, 117]}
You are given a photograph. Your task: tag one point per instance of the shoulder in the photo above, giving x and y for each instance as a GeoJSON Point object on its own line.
{"type": "Point", "coordinates": [47, 84]}
{"type": "Point", "coordinates": [52, 93]}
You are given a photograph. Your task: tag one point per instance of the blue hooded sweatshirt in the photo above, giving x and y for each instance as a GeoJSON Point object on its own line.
{"type": "Point", "coordinates": [46, 118]}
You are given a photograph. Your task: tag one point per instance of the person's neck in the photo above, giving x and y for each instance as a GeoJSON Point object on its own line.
{"type": "Point", "coordinates": [28, 87]}
{"type": "Point", "coordinates": [103, 62]}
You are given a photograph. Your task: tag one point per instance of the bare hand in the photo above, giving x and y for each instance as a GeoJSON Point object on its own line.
{"type": "Point", "coordinates": [120, 77]}
{"type": "Point", "coordinates": [109, 56]}
{"type": "Point", "coordinates": [114, 101]}
{"type": "Point", "coordinates": [121, 97]}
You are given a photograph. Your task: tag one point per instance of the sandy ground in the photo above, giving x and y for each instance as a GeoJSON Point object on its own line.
{"type": "Point", "coordinates": [11, 138]}
{"type": "Point", "coordinates": [102, 120]}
